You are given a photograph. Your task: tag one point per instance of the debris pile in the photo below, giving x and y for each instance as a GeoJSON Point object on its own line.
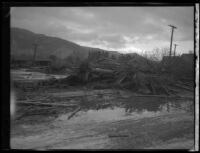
{"type": "Point", "coordinates": [135, 73]}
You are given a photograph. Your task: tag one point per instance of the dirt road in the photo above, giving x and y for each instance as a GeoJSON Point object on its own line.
{"type": "Point", "coordinates": [153, 132]}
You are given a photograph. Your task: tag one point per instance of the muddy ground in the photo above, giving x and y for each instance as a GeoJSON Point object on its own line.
{"type": "Point", "coordinates": [76, 118]}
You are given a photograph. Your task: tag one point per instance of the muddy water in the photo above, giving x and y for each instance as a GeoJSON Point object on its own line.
{"type": "Point", "coordinates": [91, 126]}
{"type": "Point", "coordinates": [129, 110]}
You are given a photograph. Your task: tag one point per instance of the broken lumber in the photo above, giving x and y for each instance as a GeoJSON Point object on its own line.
{"type": "Point", "coordinates": [73, 113]}
{"type": "Point", "coordinates": [44, 104]}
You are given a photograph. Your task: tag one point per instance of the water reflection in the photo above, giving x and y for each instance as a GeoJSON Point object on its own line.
{"type": "Point", "coordinates": [159, 106]}
{"type": "Point", "coordinates": [141, 106]}
{"type": "Point", "coordinates": [135, 108]}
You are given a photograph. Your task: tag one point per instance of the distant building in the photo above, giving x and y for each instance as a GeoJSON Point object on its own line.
{"type": "Point", "coordinates": [167, 59]}
{"type": "Point", "coordinates": [185, 57]}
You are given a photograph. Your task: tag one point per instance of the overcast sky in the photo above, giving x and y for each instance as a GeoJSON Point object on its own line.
{"type": "Point", "coordinates": [124, 29]}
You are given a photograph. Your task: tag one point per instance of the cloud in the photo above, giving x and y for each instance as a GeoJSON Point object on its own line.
{"type": "Point", "coordinates": [126, 28]}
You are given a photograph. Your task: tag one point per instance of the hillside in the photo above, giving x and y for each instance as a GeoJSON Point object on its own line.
{"type": "Point", "coordinates": [22, 46]}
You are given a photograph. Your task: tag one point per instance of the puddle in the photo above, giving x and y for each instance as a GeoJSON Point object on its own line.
{"type": "Point", "coordinates": [135, 110]}
{"type": "Point", "coordinates": [23, 74]}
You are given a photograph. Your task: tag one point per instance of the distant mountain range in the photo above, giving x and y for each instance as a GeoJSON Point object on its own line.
{"type": "Point", "coordinates": [22, 46]}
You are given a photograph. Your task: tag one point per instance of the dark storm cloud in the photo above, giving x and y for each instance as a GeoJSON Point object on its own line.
{"type": "Point", "coordinates": [110, 27]}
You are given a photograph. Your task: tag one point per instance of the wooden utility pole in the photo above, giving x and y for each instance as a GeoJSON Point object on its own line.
{"type": "Point", "coordinates": [173, 27]}
{"type": "Point", "coordinates": [35, 51]}
{"type": "Point", "coordinates": [175, 49]}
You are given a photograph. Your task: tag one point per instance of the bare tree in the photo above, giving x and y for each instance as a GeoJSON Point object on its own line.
{"type": "Point", "coordinates": [156, 54]}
